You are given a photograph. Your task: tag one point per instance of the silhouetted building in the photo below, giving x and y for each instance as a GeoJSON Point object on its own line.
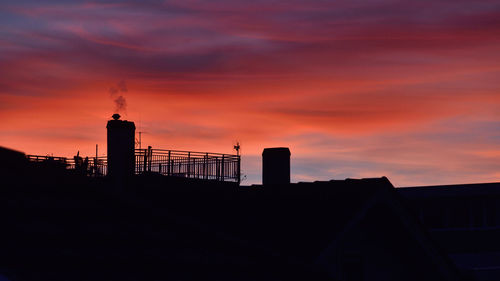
{"type": "Point", "coordinates": [12, 160]}
{"type": "Point", "coordinates": [464, 220]}
{"type": "Point", "coordinates": [184, 216]}
{"type": "Point", "coordinates": [171, 228]}
{"type": "Point", "coordinates": [276, 165]}
{"type": "Point", "coordinates": [121, 148]}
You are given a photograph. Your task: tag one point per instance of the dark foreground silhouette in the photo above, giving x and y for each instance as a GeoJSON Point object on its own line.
{"type": "Point", "coordinates": [58, 224]}
{"type": "Point", "coordinates": [153, 214]}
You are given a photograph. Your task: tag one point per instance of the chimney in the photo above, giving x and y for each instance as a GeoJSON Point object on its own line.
{"type": "Point", "coordinates": [121, 148]}
{"type": "Point", "coordinates": [276, 165]}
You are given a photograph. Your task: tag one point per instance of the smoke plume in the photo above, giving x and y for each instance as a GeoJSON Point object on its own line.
{"type": "Point", "coordinates": [116, 94]}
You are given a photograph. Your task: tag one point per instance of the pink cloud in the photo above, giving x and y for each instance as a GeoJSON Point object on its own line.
{"type": "Point", "coordinates": [367, 86]}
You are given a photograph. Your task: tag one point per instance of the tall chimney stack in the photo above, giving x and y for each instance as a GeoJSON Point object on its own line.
{"type": "Point", "coordinates": [276, 165]}
{"type": "Point", "coordinates": [121, 148]}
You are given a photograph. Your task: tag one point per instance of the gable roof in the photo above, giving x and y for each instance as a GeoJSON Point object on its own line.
{"type": "Point", "coordinates": [390, 198]}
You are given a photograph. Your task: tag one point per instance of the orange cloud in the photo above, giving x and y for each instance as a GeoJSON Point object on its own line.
{"type": "Point", "coordinates": [355, 89]}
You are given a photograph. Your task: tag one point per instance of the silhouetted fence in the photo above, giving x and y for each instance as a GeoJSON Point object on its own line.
{"type": "Point", "coordinates": [188, 164]}
{"type": "Point", "coordinates": [96, 167]}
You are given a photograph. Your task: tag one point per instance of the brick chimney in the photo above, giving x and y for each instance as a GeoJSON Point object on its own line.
{"type": "Point", "coordinates": [121, 148]}
{"type": "Point", "coordinates": [276, 165]}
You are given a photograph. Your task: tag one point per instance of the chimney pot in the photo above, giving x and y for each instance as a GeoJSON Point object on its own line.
{"type": "Point", "coordinates": [121, 148]}
{"type": "Point", "coordinates": [276, 165]}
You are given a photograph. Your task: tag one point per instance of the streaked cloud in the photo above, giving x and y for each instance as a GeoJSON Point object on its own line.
{"type": "Point", "coordinates": [356, 88]}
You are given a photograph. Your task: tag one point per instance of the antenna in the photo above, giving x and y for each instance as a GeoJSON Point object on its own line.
{"type": "Point", "coordinates": [237, 147]}
{"type": "Point", "coordinates": [138, 141]}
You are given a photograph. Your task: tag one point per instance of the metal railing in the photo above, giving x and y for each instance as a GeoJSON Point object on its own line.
{"type": "Point", "coordinates": [95, 167]}
{"type": "Point", "coordinates": [188, 164]}
{"type": "Point", "coordinates": [176, 163]}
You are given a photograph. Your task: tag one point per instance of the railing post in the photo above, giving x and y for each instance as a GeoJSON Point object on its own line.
{"type": "Point", "coordinates": [238, 171]}
{"type": "Point", "coordinates": [145, 161]}
{"type": "Point", "coordinates": [137, 163]}
{"type": "Point", "coordinates": [168, 163]}
{"type": "Point", "coordinates": [195, 174]}
{"type": "Point", "coordinates": [222, 168]}
{"type": "Point", "coordinates": [205, 168]}
{"type": "Point", "coordinates": [150, 157]}
{"type": "Point", "coordinates": [189, 165]}
{"type": "Point", "coordinates": [217, 170]}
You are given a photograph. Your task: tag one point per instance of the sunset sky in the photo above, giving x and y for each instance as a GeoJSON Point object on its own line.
{"type": "Point", "coordinates": [404, 89]}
